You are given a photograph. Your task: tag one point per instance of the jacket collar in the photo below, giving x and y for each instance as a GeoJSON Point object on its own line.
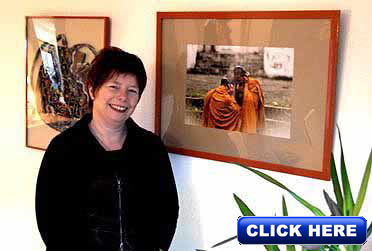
{"type": "Point", "coordinates": [82, 129]}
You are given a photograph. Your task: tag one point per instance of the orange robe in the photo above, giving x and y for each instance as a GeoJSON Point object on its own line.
{"type": "Point", "coordinates": [252, 111]}
{"type": "Point", "coordinates": [221, 110]}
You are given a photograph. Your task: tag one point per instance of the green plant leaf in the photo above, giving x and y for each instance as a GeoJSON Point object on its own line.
{"type": "Point", "coordinates": [243, 207]}
{"type": "Point", "coordinates": [369, 230]}
{"type": "Point", "coordinates": [291, 248]}
{"type": "Point", "coordinates": [246, 211]}
{"type": "Point", "coordinates": [272, 248]}
{"type": "Point", "coordinates": [312, 208]}
{"type": "Point", "coordinates": [285, 213]}
{"type": "Point", "coordinates": [363, 187]}
{"type": "Point", "coordinates": [357, 247]}
{"type": "Point", "coordinates": [344, 213]}
{"type": "Point", "coordinates": [325, 247]}
{"type": "Point", "coordinates": [335, 210]}
{"type": "Point", "coordinates": [334, 248]}
{"type": "Point", "coordinates": [353, 247]}
{"type": "Point", "coordinates": [330, 248]}
{"type": "Point", "coordinates": [225, 241]}
{"type": "Point", "coordinates": [336, 184]}
{"type": "Point", "coordinates": [284, 207]}
{"type": "Point", "coordinates": [349, 248]}
{"type": "Point", "coordinates": [348, 197]}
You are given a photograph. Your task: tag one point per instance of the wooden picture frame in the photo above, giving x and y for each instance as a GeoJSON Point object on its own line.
{"type": "Point", "coordinates": [59, 50]}
{"type": "Point", "coordinates": [293, 57]}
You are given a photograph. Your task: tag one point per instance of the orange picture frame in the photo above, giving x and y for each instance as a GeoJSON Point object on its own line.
{"type": "Point", "coordinates": [312, 36]}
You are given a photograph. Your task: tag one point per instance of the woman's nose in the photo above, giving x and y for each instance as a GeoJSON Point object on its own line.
{"type": "Point", "coordinates": [122, 95]}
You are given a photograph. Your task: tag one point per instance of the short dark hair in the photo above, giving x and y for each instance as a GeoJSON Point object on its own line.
{"type": "Point", "coordinates": [112, 61]}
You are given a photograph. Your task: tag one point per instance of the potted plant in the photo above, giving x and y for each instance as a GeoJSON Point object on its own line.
{"type": "Point", "coordinates": [344, 205]}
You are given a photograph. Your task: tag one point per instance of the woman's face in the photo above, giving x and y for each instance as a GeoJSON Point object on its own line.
{"type": "Point", "coordinates": [116, 100]}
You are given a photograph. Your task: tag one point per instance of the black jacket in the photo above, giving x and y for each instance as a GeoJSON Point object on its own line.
{"type": "Point", "coordinates": [80, 187]}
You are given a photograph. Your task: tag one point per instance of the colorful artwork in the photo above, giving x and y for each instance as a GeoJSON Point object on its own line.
{"type": "Point", "coordinates": [61, 80]}
{"type": "Point", "coordinates": [215, 93]}
{"type": "Point", "coordinates": [60, 55]}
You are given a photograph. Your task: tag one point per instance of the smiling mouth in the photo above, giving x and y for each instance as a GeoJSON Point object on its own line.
{"type": "Point", "coordinates": [119, 108]}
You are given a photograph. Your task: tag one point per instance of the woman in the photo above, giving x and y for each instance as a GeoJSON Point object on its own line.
{"type": "Point", "coordinates": [106, 183]}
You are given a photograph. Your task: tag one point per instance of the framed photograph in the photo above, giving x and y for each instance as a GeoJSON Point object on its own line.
{"type": "Point", "coordinates": [255, 88]}
{"type": "Point", "coordinates": [59, 51]}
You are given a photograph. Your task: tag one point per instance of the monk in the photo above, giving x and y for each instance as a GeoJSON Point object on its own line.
{"type": "Point", "coordinates": [249, 96]}
{"type": "Point", "coordinates": [220, 109]}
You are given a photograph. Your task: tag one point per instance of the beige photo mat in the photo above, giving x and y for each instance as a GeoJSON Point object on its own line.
{"type": "Point", "coordinates": [310, 39]}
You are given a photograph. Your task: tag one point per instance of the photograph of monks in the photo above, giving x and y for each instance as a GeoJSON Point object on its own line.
{"type": "Point", "coordinates": [240, 88]}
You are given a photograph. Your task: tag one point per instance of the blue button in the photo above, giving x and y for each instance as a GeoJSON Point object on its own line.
{"type": "Point", "coordinates": [302, 230]}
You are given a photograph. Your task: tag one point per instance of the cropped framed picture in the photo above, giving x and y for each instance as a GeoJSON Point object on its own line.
{"type": "Point", "coordinates": [255, 88]}
{"type": "Point", "coordinates": [59, 51]}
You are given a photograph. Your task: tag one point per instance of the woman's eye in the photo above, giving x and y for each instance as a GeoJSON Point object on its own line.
{"type": "Point", "coordinates": [113, 86]}
{"type": "Point", "coordinates": [133, 91]}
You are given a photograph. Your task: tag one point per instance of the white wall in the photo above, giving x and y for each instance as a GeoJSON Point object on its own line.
{"type": "Point", "coordinates": [208, 213]}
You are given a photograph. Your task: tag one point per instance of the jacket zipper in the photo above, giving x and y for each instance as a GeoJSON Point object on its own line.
{"type": "Point", "coordinates": [119, 190]}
